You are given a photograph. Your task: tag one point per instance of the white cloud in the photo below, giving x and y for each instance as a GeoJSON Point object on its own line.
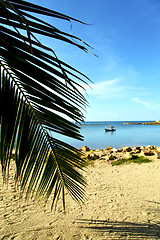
{"type": "Point", "coordinates": [107, 89]}
{"type": "Point", "coordinates": [149, 105]}
{"type": "Point", "coordinates": [137, 100]}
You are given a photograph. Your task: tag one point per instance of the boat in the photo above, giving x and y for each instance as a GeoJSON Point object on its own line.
{"type": "Point", "coordinates": [110, 129]}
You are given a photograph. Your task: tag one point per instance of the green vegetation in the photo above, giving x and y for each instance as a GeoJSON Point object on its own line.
{"type": "Point", "coordinates": [134, 159]}
{"type": "Point", "coordinates": [89, 161]}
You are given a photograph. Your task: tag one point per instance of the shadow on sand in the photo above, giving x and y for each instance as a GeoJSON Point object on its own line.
{"type": "Point", "coordinates": [122, 230]}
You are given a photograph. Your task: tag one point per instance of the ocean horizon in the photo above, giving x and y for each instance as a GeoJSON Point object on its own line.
{"type": "Point", "coordinates": [130, 135]}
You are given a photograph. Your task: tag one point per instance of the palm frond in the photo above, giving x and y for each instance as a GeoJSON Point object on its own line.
{"type": "Point", "coordinates": [42, 162]}
{"type": "Point", "coordinates": [39, 93]}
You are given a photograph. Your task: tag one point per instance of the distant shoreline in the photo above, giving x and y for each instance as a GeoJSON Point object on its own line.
{"type": "Point", "coordinates": [144, 123]}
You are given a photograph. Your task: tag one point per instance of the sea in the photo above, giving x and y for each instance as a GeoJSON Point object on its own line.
{"type": "Point", "coordinates": [129, 135]}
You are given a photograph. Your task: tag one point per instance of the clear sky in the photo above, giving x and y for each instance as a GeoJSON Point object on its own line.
{"type": "Point", "coordinates": [125, 35]}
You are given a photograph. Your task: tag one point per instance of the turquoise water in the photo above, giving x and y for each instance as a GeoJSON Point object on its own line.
{"type": "Point", "coordinates": [125, 135]}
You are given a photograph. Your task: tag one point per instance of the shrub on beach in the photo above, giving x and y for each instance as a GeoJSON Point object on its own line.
{"type": "Point", "coordinates": [134, 159]}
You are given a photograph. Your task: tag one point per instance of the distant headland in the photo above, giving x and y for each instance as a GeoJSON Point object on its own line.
{"type": "Point", "coordinates": [157, 122]}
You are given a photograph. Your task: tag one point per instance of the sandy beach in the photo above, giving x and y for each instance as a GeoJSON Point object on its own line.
{"type": "Point", "coordinates": [122, 202]}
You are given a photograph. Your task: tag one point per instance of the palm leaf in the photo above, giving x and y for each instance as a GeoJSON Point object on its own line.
{"type": "Point", "coordinates": [39, 93]}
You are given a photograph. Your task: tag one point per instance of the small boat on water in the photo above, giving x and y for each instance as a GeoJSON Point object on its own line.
{"type": "Point", "coordinates": [110, 129]}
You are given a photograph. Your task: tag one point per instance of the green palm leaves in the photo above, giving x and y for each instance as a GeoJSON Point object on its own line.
{"type": "Point", "coordinates": [39, 93]}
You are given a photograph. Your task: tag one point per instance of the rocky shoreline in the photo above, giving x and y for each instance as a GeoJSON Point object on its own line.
{"type": "Point", "coordinates": [112, 154]}
{"type": "Point", "coordinates": [144, 123]}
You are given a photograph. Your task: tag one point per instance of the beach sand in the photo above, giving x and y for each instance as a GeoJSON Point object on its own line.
{"type": "Point", "coordinates": [123, 202]}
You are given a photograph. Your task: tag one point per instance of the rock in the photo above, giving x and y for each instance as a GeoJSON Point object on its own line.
{"type": "Point", "coordinates": [114, 150]}
{"type": "Point", "coordinates": [157, 149]}
{"type": "Point", "coordinates": [136, 149]}
{"type": "Point", "coordinates": [110, 151]}
{"type": "Point", "coordinates": [150, 147]}
{"type": "Point", "coordinates": [93, 156]}
{"type": "Point", "coordinates": [120, 150]}
{"type": "Point", "coordinates": [111, 157]}
{"type": "Point", "coordinates": [102, 154]}
{"type": "Point", "coordinates": [146, 152]}
{"type": "Point", "coordinates": [85, 148]}
{"type": "Point", "coordinates": [142, 147]}
{"type": "Point", "coordinates": [157, 155]}
{"type": "Point", "coordinates": [127, 155]}
{"type": "Point", "coordinates": [127, 149]}
{"type": "Point", "coordinates": [109, 148]}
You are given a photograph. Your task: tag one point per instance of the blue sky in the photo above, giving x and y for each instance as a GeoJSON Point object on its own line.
{"type": "Point", "coordinates": [126, 37]}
